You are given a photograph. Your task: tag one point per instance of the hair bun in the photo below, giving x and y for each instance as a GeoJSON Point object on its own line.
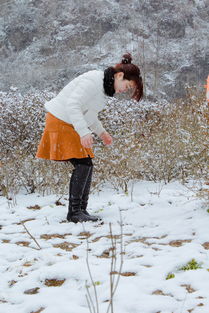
{"type": "Point", "coordinates": [127, 58]}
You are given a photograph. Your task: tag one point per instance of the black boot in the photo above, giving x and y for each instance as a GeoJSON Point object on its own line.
{"type": "Point", "coordinates": [77, 185]}
{"type": "Point", "coordinates": [85, 197]}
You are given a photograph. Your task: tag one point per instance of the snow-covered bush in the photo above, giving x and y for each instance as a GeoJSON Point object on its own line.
{"type": "Point", "coordinates": [158, 141]}
{"type": "Point", "coordinates": [22, 123]}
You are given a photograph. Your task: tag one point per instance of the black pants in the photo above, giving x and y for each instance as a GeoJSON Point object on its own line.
{"type": "Point", "coordinates": [79, 189]}
{"type": "Point", "coordinates": [85, 161]}
{"type": "Point", "coordinates": [80, 182]}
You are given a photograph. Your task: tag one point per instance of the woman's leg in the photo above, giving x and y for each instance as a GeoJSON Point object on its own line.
{"type": "Point", "coordinates": [85, 197]}
{"type": "Point", "coordinates": [79, 190]}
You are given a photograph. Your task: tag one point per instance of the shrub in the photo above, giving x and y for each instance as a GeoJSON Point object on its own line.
{"type": "Point", "coordinates": [156, 142]}
{"type": "Point", "coordinates": [152, 141]}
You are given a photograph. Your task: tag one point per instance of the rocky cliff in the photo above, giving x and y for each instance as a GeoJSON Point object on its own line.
{"type": "Point", "coordinates": [45, 43]}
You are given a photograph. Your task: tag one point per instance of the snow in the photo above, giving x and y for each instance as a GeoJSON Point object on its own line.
{"type": "Point", "coordinates": [154, 216]}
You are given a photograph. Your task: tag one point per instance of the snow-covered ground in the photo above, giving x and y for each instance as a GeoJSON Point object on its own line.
{"type": "Point", "coordinates": [164, 228]}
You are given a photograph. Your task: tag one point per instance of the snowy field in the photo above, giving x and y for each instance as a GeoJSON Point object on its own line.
{"type": "Point", "coordinates": [43, 258]}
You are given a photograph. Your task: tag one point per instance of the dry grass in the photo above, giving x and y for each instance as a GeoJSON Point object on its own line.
{"type": "Point", "coordinates": [144, 240]}
{"type": "Point", "coordinates": [27, 264]}
{"type": "Point", "coordinates": [126, 274]}
{"type": "Point", "coordinates": [12, 283]}
{"type": "Point", "coordinates": [84, 235]}
{"type": "Point", "coordinates": [67, 246]}
{"type": "Point", "coordinates": [54, 282]}
{"type": "Point", "coordinates": [48, 237]}
{"type": "Point", "coordinates": [108, 236]}
{"type": "Point", "coordinates": [206, 245]}
{"type": "Point", "coordinates": [105, 254]}
{"type": "Point", "coordinates": [159, 292]}
{"type": "Point", "coordinates": [32, 291]}
{"type": "Point", "coordinates": [188, 288]}
{"type": "Point", "coordinates": [23, 243]}
{"type": "Point", "coordinates": [179, 243]}
{"type": "Point", "coordinates": [34, 207]}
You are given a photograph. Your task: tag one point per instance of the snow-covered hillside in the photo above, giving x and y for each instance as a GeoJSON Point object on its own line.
{"type": "Point", "coordinates": [45, 43]}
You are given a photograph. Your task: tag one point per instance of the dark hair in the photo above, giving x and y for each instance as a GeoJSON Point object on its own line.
{"type": "Point", "coordinates": [131, 72]}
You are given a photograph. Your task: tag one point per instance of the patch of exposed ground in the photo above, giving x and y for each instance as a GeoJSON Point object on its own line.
{"type": "Point", "coordinates": [54, 282]}
{"type": "Point", "coordinates": [179, 243]}
{"type": "Point", "coordinates": [206, 245]}
{"type": "Point", "coordinates": [84, 235]}
{"type": "Point", "coordinates": [127, 274]}
{"type": "Point", "coordinates": [144, 240]}
{"type": "Point", "coordinates": [159, 292]}
{"type": "Point", "coordinates": [107, 253]}
{"type": "Point", "coordinates": [32, 291]}
{"type": "Point", "coordinates": [109, 236]}
{"type": "Point", "coordinates": [34, 207]}
{"type": "Point", "coordinates": [67, 246]}
{"type": "Point", "coordinates": [188, 288]}
{"type": "Point", "coordinates": [22, 243]}
{"type": "Point", "coordinates": [12, 283]}
{"type": "Point", "coordinates": [48, 237]}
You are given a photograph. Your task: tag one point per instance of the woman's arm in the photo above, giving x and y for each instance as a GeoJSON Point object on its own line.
{"type": "Point", "coordinates": [83, 91]}
{"type": "Point", "coordinates": [87, 140]}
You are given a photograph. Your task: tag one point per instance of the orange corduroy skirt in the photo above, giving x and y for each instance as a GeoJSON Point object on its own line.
{"type": "Point", "coordinates": [60, 141]}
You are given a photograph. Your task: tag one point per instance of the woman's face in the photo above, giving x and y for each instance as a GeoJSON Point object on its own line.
{"type": "Point", "coordinates": [122, 85]}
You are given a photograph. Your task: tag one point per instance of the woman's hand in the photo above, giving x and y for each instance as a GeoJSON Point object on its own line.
{"type": "Point", "coordinates": [87, 141]}
{"type": "Point", "coordinates": [106, 138]}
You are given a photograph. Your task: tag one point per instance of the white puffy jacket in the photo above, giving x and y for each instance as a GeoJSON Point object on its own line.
{"type": "Point", "coordinates": [79, 102]}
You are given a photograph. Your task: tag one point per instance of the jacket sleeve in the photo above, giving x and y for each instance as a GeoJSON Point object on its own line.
{"type": "Point", "coordinates": [83, 90]}
{"type": "Point", "coordinates": [91, 116]}
{"type": "Point", "coordinates": [97, 127]}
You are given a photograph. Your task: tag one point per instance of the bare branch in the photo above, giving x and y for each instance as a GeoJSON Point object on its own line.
{"type": "Point", "coordinates": [92, 281]}
{"type": "Point", "coordinates": [34, 239]}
